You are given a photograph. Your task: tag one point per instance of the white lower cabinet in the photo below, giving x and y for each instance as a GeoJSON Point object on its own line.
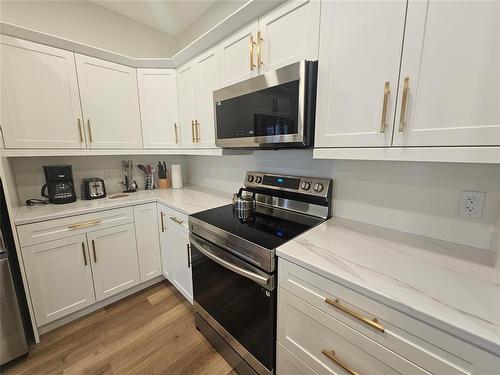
{"type": "Point", "coordinates": [332, 330]}
{"type": "Point", "coordinates": [59, 276]}
{"type": "Point", "coordinates": [148, 243]}
{"type": "Point", "coordinates": [114, 260]}
{"type": "Point", "coordinates": [175, 250]}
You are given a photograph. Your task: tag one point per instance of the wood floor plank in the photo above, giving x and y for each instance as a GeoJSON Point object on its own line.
{"type": "Point", "coordinates": [150, 332]}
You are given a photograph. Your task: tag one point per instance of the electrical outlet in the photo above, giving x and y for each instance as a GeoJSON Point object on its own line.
{"type": "Point", "coordinates": [109, 174]}
{"type": "Point", "coordinates": [471, 203]}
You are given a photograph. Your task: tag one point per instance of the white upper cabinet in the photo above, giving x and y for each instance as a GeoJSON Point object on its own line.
{"type": "Point", "coordinates": [148, 242]}
{"type": "Point", "coordinates": [60, 277]}
{"type": "Point", "coordinates": [110, 103]}
{"type": "Point", "coordinates": [114, 260]}
{"type": "Point", "coordinates": [238, 55]}
{"type": "Point", "coordinates": [451, 64]}
{"type": "Point", "coordinates": [207, 67]}
{"type": "Point", "coordinates": [359, 59]}
{"type": "Point", "coordinates": [40, 105]}
{"type": "Point", "coordinates": [186, 89]}
{"type": "Point", "coordinates": [288, 34]}
{"type": "Point", "coordinates": [159, 110]}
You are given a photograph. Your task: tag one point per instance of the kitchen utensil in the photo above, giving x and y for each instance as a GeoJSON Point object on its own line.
{"type": "Point", "coordinates": [127, 170]}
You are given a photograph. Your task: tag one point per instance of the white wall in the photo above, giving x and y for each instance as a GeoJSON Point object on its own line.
{"type": "Point", "coordinates": [29, 176]}
{"type": "Point", "coordinates": [88, 23]}
{"type": "Point", "coordinates": [420, 198]}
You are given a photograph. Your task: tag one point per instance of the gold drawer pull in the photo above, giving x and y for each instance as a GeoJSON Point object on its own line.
{"type": "Point", "coordinates": [371, 322]}
{"type": "Point", "coordinates": [404, 103]}
{"type": "Point", "coordinates": [383, 122]}
{"type": "Point", "coordinates": [252, 44]}
{"type": "Point", "coordinates": [84, 225]}
{"type": "Point", "coordinates": [331, 356]}
{"type": "Point", "coordinates": [163, 222]}
{"type": "Point", "coordinates": [178, 221]}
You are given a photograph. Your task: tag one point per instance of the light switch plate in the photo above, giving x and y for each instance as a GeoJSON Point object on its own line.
{"type": "Point", "coordinates": [471, 203]}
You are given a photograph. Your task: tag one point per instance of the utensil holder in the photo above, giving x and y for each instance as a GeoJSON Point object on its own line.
{"type": "Point", "coordinates": [149, 182]}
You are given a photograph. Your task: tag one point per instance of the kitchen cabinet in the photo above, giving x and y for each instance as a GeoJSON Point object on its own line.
{"type": "Point", "coordinates": [159, 109]}
{"type": "Point", "coordinates": [358, 71]}
{"type": "Point", "coordinates": [236, 62]}
{"type": "Point", "coordinates": [114, 260]}
{"type": "Point", "coordinates": [166, 255]}
{"type": "Point", "coordinates": [197, 81]}
{"type": "Point", "coordinates": [186, 79]}
{"type": "Point", "coordinates": [450, 76]}
{"type": "Point", "coordinates": [177, 251]}
{"type": "Point", "coordinates": [148, 243]}
{"type": "Point", "coordinates": [288, 34]}
{"type": "Point", "coordinates": [110, 103]}
{"type": "Point", "coordinates": [59, 276]}
{"type": "Point", "coordinates": [40, 103]}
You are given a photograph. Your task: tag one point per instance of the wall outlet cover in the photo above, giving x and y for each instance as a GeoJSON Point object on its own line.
{"type": "Point", "coordinates": [471, 203]}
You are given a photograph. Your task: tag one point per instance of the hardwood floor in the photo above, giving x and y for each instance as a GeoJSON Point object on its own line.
{"type": "Point", "coordinates": [150, 332]}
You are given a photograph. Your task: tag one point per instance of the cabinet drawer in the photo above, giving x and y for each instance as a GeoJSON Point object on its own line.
{"type": "Point", "coordinates": [176, 219]}
{"type": "Point", "coordinates": [289, 364]}
{"type": "Point", "coordinates": [329, 346]}
{"type": "Point", "coordinates": [31, 234]}
{"type": "Point", "coordinates": [424, 345]}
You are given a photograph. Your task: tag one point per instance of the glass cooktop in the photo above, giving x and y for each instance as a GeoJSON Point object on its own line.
{"type": "Point", "coordinates": [267, 228]}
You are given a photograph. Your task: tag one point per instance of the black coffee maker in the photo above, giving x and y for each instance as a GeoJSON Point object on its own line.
{"type": "Point", "coordinates": [59, 187]}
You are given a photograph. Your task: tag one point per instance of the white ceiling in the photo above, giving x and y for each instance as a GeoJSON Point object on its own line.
{"type": "Point", "coordinates": [170, 16]}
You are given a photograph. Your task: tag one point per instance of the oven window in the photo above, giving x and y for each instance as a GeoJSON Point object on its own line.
{"type": "Point", "coordinates": [245, 309]}
{"type": "Point", "coordinates": [269, 112]}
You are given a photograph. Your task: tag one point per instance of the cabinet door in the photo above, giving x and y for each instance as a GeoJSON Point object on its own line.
{"type": "Point", "coordinates": [181, 258]}
{"type": "Point", "coordinates": [40, 106]}
{"type": "Point", "coordinates": [289, 33]}
{"type": "Point", "coordinates": [451, 65]}
{"type": "Point", "coordinates": [238, 55]}
{"type": "Point", "coordinates": [360, 50]}
{"type": "Point", "coordinates": [186, 81]}
{"type": "Point", "coordinates": [159, 110]}
{"type": "Point", "coordinates": [148, 242]}
{"type": "Point", "coordinates": [207, 68]}
{"type": "Point", "coordinates": [114, 260]}
{"type": "Point", "coordinates": [110, 103]}
{"type": "Point", "coordinates": [166, 254]}
{"type": "Point", "coordinates": [59, 276]}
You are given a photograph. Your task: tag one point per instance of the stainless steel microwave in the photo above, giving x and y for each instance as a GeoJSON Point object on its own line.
{"type": "Point", "coordinates": [273, 110]}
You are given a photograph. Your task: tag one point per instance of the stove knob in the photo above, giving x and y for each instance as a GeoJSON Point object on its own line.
{"type": "Point", "coordinates": [258, 179]}
{"type": "Point", "coordinates": [305, 185]}
{"type": "Point", "coordinates": [250, 178]}
{"type": "Point", "coordinates": [318, 187]}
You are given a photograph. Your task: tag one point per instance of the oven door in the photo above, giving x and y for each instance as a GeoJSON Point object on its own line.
{"type": "Point", "coordinates": [240, 298]}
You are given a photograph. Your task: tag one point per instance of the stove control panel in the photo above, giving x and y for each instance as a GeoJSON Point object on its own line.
{"type": "Point", "coordinates": [319, 187]}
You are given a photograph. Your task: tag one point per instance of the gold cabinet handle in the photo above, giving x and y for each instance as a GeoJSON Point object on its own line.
{"type": "Point", "coordinates": [177, 220]}
{"type": "Point", "coordinates": [259, 49]}
{"type": "Point", "coordinates": [176, 133]}
{"type": "Point", "coordinates": [383, 121]}
{"type": "Point", "coordinates": [93, 250]}
{"type": "Point", "coordinates": [192, 131]}
{"type": "Point", "coordinates": [84, 225]}
{"type": "Point", "coordinates": [197, 127]}
{"type": "Point", "coordinates": [331, 356]}
{"type": "Point", "coordinates": [90, 131]}
{"type": "Point", "coordinates": [371, 322]}
{"type": "Point", "coordinates": [80, 130]}
{"type": "Point", "coordinates": [84, 255]}
{"type": "Point", "coordinates": [163, 222]}
{"type": "Point", "coordinates": [252, 44]}
{"type": "Point", "coordinates": [404, 103]}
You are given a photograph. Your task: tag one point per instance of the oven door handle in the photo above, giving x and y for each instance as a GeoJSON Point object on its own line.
{"type": "Point", "coordinates": [262, 280]}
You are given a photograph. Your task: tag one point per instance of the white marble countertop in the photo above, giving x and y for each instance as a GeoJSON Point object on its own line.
{"type": "Point", "coordinates": [189, 199]}
{"type": "Point", "coordinates": [451, 287]}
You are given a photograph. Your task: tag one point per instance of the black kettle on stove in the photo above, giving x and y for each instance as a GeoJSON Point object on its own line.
{"type": "Point", "coordinates": [59, 186]}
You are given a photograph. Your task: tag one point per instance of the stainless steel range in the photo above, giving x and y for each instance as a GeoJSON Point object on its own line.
{"type": "Point", "coordinates": [234, 263]}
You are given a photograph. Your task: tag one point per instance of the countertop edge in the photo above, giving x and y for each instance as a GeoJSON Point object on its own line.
{"type": "Point", "coordinates": [464, 335]}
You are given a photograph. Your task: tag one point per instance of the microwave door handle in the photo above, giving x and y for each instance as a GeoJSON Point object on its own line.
{"type": "Point", "coordinates": [265, 281]}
